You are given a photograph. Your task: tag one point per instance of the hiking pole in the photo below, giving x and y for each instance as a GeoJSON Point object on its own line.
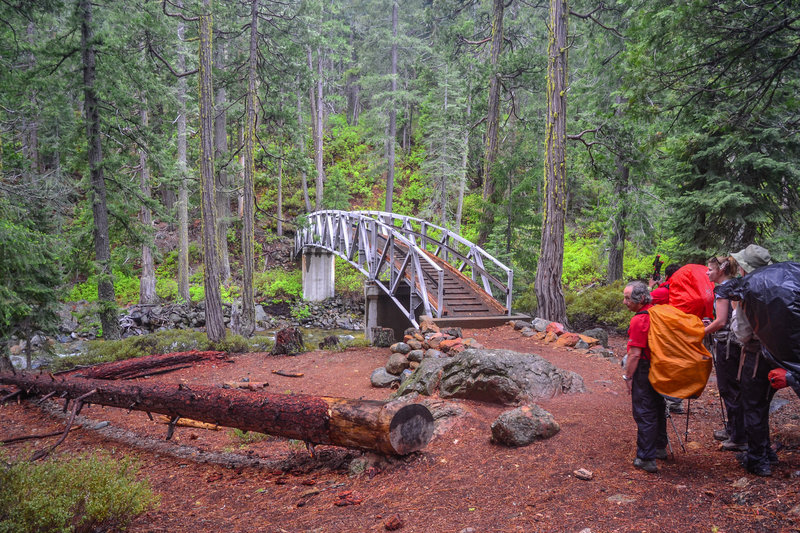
{"type": "Point", "coordinates": [688, 410]}
{"type": "Point", "coordinates": [675, 429]}
{"type": "Point", "coordinates": [719, 393]}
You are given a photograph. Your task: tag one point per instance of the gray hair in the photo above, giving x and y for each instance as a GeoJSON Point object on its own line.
{"type": "Point", "coordinates": [640, 294]}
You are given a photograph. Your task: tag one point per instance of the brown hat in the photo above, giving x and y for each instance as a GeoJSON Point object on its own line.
{"type": "Point", "coordinates": [752, 257]}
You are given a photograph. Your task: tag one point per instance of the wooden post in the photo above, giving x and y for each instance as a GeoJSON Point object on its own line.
{"type": "Point", "coordinates": [388, 427]}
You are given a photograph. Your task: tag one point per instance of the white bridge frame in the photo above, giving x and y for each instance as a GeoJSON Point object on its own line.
{"type": "Point", "coordinates": [353, 236]}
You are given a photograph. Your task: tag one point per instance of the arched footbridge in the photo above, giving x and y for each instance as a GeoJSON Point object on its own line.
{"type": "Point", "coordinates": [424, 269]}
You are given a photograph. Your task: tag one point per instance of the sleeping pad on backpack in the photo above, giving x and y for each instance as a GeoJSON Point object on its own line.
{"type": "Point", "coordinates": [771, 296]}
{"type": "Point", "coordinates": [679, 362]}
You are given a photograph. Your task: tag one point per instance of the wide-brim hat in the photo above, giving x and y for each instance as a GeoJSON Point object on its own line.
{"type": "Point", "coordinates": [752, 257]}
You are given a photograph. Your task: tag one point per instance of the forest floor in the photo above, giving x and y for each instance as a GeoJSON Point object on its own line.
{"type": "Point", "coordinates": [460, 482]}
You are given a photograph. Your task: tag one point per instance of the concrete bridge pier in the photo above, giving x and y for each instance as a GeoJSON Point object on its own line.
{"type": "Point", "coordinates": [381, 311]}
{"type": "Point", "coordinates": [318, 274]}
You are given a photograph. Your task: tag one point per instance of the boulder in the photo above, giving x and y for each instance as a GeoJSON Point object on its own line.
{"type": "Point", "coordinates": [540, 324]}
{"type": "Point", "coordinates": [568, 340]}
{"type": "Point", "coordinates": [599, 334]}
{"type": "Point", "coordinates": [396, 364]}
{"type": "Point", "coordinates": [382, 379]}
{"type": "Point", "coordinates": [523, 426]}
{"type": "Point", "coordinates": [425, 379]}
{"type": "Point", "coordinates": [498, 376]}
{"type": "Point", "coordinates": [520, 324]}
{"type": "Point", "coordinates": [556, 327]}
{"type": "Point", "coordinates": [415, 355]}
{"type": "Point", "coordinates": [435, 354]}
{"type": "Point", "coordinates": [400, 347]}
{"type": "Point", "coordinates": [529, 332]}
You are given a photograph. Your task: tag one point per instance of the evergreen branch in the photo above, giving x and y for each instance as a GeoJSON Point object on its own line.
{"type": "Point", "coordinates": [590, 16]}
{"type": "Point", "coordinates": [166, 64]}
{"type": "Point", "coordinates": [176, 15]}
{"type": "Point", "coordinates": [64, 58]}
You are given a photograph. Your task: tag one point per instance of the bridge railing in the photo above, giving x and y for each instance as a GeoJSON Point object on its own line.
{"type": "Point", "coordinates": [470, 259]}
{"type": "Point", "coordinates": [380, 252]}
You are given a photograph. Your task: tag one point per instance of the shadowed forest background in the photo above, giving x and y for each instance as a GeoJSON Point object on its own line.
{"type": "Point", "coordinates": [151, 150]}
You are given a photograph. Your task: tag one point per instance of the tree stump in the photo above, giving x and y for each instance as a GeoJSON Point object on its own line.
{"type": "Point", "coordinates": [288, 341]}
{"type": "Point", "coordinates": [382, 337]}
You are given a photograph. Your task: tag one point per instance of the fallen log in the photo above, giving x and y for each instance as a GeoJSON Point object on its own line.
{"type": "Point", "coordinates": [387, 427]}
{"type": "Point", "coordinates": [140, 366]}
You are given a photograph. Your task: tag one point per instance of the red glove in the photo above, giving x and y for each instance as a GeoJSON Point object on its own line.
{"type": "Point", "coordinates": [777, 378]}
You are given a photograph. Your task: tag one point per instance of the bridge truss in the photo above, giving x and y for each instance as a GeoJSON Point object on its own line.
{"type": "Point", "coordinates": [448, 275]}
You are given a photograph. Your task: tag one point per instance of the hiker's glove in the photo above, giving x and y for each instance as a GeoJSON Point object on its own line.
{"type": "Point", "coordinates": [777, 378]}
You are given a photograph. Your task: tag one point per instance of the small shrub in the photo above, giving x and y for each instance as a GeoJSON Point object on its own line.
{"type": "Point", "coordinates": [299, 312]}
{"type": "Point", "coordinates": [88, 493]}
{"type": "Point", "coordinates": [167, 289]}
{"type": "Point", "coordinates": [349, 281]}
{"type": "Point", "coordinates": [247, 437]}
{"type": "Point", "coordinates": [277, 283]}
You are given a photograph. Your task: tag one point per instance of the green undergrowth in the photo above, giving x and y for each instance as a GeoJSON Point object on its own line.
{"type": "Point", "coordinates": [88, 493]}
{"type": "Point", "coordinates": [167, 341]}
{"type": "Point", "coordinates": [598, 306]}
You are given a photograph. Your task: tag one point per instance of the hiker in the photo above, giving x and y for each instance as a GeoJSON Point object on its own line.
{"type": "Point", "coordinates": [660, 295]}
{"type": "Point", "coordinates": [754, 368]}
{"type": "Point", "coordinates": [648, 407]}
{"type": "Point", "coordinates": [726, 350]}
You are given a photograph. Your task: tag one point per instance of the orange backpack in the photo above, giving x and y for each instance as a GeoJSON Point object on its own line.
{"type": "Point", "coordinates": [691, 291]}
{"type": "Point", "coordinates": [679, 362]}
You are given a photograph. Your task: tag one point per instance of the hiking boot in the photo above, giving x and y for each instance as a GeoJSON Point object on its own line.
{"type": "Point", "coordinates": [646, 465]}
{"type": "Point", "coordinates": [731, 446]}
{"type": "Point", "coordinates": [721, 434]}
{"type": "Point", "coordinates": [772, 456]}
{"type": "Point", "coordinates": [760, 470]}
{"type": "Point", "coordinates": [661, 453]}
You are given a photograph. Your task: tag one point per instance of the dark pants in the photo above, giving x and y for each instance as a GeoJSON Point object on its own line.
{"type": "Point", "coordinates": [726, 362]}
{"type": "Point", "coordinates": [649, 414]}
{"type": "Point", "coordinates": [756, 397]}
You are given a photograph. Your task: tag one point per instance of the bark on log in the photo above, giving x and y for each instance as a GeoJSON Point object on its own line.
{"type": "Point", "coordinates": [141, 365]}
{"type": "Point", "coordinates": [390, 428]}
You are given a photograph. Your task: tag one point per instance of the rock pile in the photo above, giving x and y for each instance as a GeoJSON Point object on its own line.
{"type": "Point", "coordinates": [592, 341]}
{"type": "Point", "coordinates": [427, 342]}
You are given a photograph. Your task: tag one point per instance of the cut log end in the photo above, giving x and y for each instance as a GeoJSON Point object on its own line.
{"type": "Point", "coordinates": [411, 429]}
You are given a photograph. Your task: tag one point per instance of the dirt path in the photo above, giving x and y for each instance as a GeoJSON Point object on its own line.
{"type": "Point", "coordinates": [218, 481]}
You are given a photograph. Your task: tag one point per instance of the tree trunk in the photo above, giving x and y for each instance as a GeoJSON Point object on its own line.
{"type": "Point", "coordinates": [247, 322]}
{"type": "Point", "coordinates": [548, 287]}
{"type": "Point", "coordinates": [353, 88]}
{"type": "Point", "coordinates": [462, 182]}
{"type": "Point", "coordinates": [392, 428]}
{"type": "Point", "coordinates": [492, 124]}
{"type": "Point", "coordinates": [138, 366]}
{"type": "Point", "coordinates": [445, 166]}
{"type": "Point", "coordinates": [302, 147]}
{"type": "Point", "coordinates": [617, 251]}
{"type": "Point", "coordinates": [102, 247]}
{"type": "Point", "coordinates": [147, 281]}
{"type": "Point", "coordinates": [392, 137]}
{"type": "Point", "coordinates": [223, 179]}
{"type": "Point", "coordinates": [215, 323]}
{"type": "Point", "coordinates": [183, 186]}
{"type": "Point", "coordinates": [316, 115]}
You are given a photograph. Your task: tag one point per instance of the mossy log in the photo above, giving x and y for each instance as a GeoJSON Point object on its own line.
{"type": "Point", "coordinates": [391, 428]}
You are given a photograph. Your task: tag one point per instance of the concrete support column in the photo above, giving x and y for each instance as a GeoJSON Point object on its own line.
{"type": "Point", "coordinates": [381, 311]}
{"type": "Point", "coordinates": [318, 275]}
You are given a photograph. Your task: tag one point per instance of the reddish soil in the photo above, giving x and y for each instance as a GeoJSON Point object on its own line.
{"type": "Point", "coordinates": [460, 480]}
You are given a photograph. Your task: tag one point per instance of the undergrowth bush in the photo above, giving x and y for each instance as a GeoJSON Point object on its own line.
{"type": "Point", "coordinates": [167, 341]}
{"type": "Point", "coordinates": [598, 306]}
{"type": "Point", "coordinates": [88, 493]}
{"type": "Point", "coordinates": [278, 283]}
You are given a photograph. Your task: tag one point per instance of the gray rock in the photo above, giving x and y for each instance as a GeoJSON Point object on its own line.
{"type": "Point", "coordinates": [599, 334]}
{"type": "Point", "coordinates": [539, 324]}
{"type": "Point", "coordinates": [581, 345]}
{"type": "Point", "coordinates": [382, 379]}
{"type": "Point", "coordinates": [261, 315]}
{"type": "Point", "coordinates": [521, 324]}
{"type": "Point", "coordinates": [396, 364]}
{"type": "Point", "coordinates": [416, 355]}
{"type": "Point", "coordinates": [400, 347]}
{"type": "Point", "coordinates": [433, 353]}
{"type": "Point", "coordinates": [528, 332]}
{"type": "Point", "coordinates": [523, 426]}
{"type": "Point", "coordinates": [503, 376]}
{"type": "Point", "coordinates": [425, 378]}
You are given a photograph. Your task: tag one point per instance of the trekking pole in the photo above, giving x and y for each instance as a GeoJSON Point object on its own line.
{"type": "Point", "coordinates": [675, 429]}
{"type": "Point", "coordinates": [719, 393]}
{"type": "Point", "coordinates": [688, 410]}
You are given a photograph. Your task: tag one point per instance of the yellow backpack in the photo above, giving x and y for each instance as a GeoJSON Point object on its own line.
{"type": "Point", "coordinates": [679, 362]}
